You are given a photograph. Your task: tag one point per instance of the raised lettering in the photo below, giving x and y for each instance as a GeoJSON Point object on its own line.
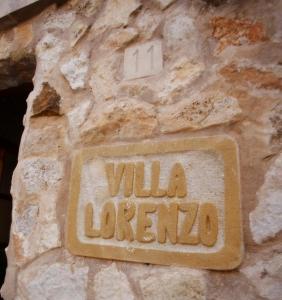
{"type": "Point", "coordinates": [139, 181]}
{"type": "Point", "coordinates": [128, 179]}
{"type": "Point", "coordinates": [177, 182]}
{"type": "Point", "coordinates": [167, 222]}
{"type": "Point", "coordinates": [144, 222]}
{"type": "Point", "coordinates": [126, 212]}
{"type": "Point", "coordinates": [88, 225]}
{"type": "Point", "coordinates": [208, 224]}
{"type": "Point", "coordinates": [114, 178]}
{"type": "Point", "coordinates": [108, 220]}
{"type": "Point", "coordinates": [185, 237]}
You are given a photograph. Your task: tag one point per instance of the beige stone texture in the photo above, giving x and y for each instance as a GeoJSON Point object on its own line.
{"type": "Point", "coordinates": [121, 38]}
{"type": "Point", "coordinates": [87, 8]}
{"type": "Point", "coordinates": [178, 283]}
{"type": "Point", "coordinates": [148, 22]}
{"type": "Point", "coordinates": [117, 120]}
{"type": "Point", "coordinates": [198, 114]}
{"type": "Point", "coordinates": [47, 102]}
{"type": "Point", "coordinates": [77, 117]}
{"type": "Point", "coordinates": [266, 219]}
{"type": "Point", "coordinates": [116, 13]}
{"type": "Point", "coordinates": [36, 229]}
{"type": "Point", "coordinates": [59, 21]}
{"type": "Point", "coordinates": [266, 276]}
{"type": "Point", "coordinates": [48, 51]}
{"type": "Point", "coordinates": [111, 283]}
{"type": "Point", "coordinates": [40, 174]}
{"type": "Point", "coordinates": [53, 281]}
{"type": "Point", "coordinates": [181, 35]}
{"type": "Point", "coordinates": [77, 31]}
{"type": "Point", "coordinates": [75, 70]}
{"type": "Point", "coordinates": [103, 80]}
{"type": "Point", "coordinates": [49, 139]}
{"type": "Point", "coordinates": [181, 75]}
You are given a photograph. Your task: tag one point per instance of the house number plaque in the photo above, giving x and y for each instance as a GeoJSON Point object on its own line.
{"type": "Point", "coordinates": [143, 60]}
{"type": "Point", "coordinates": [165, 202]}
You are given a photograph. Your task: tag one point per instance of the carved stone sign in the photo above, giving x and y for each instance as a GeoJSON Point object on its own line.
{"type": "Point", "coordinates": [143, 60]}
{"type": "Point", "coordinates": [169, 202]}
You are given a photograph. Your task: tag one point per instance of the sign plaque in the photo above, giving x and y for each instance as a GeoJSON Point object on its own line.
{"type": "Point", "coordinates": [143, 60]}
{"type": "Point", "coordinates": [161, 202]}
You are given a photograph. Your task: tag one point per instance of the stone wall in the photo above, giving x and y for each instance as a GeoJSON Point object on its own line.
{"type": "Point", "coordinates": [222, 74]}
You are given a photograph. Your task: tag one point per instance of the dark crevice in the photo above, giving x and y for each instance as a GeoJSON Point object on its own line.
{"type": "Point", "coordinates": [12, 109]}
{"type": "Point", "coordinates": [14, 72]}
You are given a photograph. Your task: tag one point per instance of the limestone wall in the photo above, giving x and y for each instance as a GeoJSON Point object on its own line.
{"type": "Point", "coordinates": [221, 74]}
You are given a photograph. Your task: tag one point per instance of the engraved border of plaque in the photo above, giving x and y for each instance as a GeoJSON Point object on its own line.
{"type": "Point", "coordinates": [229, 257]}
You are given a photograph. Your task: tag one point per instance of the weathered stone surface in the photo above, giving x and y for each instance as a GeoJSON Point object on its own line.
{"type": "Point", "coordinates": [48, 140]}
{"type": "Point", "coordinates": [88, 8]}
{"type": "Point", "coordinates": [110, 283]}
{"type": "Point", "coordinates": [173, 284]}
{"type": "Point", "coordinates": [59, 21]}
{"type": "Point", "coordinates": [115, 14]}
{"type": "Point", "coordinates": [137, 91]}
{"type": "Point", "coordinates": [178, 29]}
{"type": "Point", "coordinates": [164, 3]}
{"type": "Point", "coordinates": [36, 229]}
{"type": "Point", "coordinates": [75, 70]}
{"type": "Point", "coordinates": [103, 80]}
{"type": "Point", "coordinates": [197, 114]}
{"type": "Point", "coordinates": [250, 75]}
{"type": "Point", "coordinates": [147, 22]}
{"type": "Point", "coordinates": [53, 281]}
{"type": "Point", "coordinates": [180, 34]}
{"type": "Point", "coordinates": [196, 89]}
{"type": "Point", "coordinates": [117, 120]}
{"type": "Point", "coordinates": [48, 51]}
{"type": "Point", "coordinates": [181, 74]}
{"type": "Point", "coordinates": [23, 34]}
{"type": "Point", "coordinates": [171, 88]}
{"type": "Point", "coordinates": [266, 219]}
{"type": "Point", "coordinates": [121, 38]}
{"type": "Point", "coordinates": [219, 286]}
{"type": "Point", "coordinates": [276, 121]}
{"type": "Point", "coordinates": [236, 32]}
{"type": "Point", "coordinates": [40, 174]}
{"type": "Point", "coordinates": [47, 103]}
{"type": "Point", "coordinates": [77, 117]}
{"type": "Point", "coordinates": [266, 276]}
{"type": "Point", "coordinates": [6, 47]}
{"type": "Point", "coordinates": [17, 42]}
{"type": "Point", "coordinates": [77, 31]}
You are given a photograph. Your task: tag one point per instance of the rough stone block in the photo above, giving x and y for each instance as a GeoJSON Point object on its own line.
{"type": "Point", "coordinates": [47, 103]}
